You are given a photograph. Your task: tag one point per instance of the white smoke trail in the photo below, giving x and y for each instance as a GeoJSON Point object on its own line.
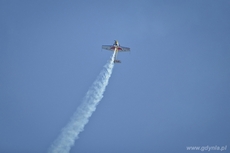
{"type": "Point", "coordinates": [81, 116]}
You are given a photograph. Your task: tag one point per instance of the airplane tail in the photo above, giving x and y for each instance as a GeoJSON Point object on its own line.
{"type": "Point", "coordinates": [117, 61]}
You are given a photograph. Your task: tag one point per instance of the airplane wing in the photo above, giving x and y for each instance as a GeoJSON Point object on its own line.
{"type": "Point", "coordinates": [124, 49]}
{"type": "Point", "coordinates": [119, 48]}
{"type": "Point", "coordinates": [108, 47]}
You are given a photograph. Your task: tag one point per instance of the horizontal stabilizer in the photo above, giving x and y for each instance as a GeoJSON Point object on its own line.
{"type": "Point", "coordinates": [117, 61]}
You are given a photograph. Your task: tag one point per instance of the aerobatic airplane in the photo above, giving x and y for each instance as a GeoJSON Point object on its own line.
{"type": "Point", "coordinates": [116, 48]}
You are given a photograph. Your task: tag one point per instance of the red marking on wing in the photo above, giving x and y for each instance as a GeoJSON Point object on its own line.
{"type": "Point", "coordinates": [119, 48]}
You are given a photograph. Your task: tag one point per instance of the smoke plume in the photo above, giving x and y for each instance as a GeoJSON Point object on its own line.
{"type": "Point", "coordinates": [80, 118]}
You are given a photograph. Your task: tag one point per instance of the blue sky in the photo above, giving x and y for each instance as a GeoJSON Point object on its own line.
{"type": "Point", "coordinates": [171, 90]}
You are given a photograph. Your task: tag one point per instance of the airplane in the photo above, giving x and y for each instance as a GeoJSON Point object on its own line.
{"type": "Point", "coordinates": [116, 48]}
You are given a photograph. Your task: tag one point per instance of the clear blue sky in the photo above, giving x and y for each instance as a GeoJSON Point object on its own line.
{"type": "Point", "coordinates": [171, 91]}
